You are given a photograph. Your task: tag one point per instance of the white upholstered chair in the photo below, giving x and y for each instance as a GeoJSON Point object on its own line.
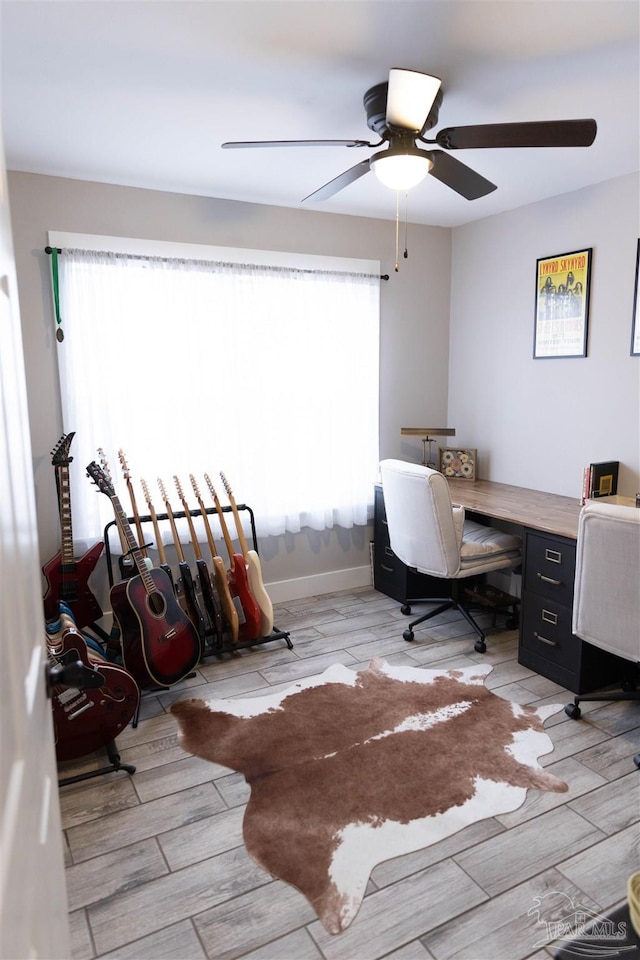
{"type": "Point", "coordinates": [606, 603]}
{"type": "Point", "coordinates": [430, 534]}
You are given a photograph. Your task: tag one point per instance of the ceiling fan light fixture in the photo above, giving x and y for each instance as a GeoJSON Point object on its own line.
{"type": "Point", "coordinates": [410, 96]}
{"type": "Point", "coordinates": [401, 169]}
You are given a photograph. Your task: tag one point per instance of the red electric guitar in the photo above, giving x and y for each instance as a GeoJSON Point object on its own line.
{"type": "Point", "coordinates": [248, 609]}
{"type": "Point", "coordinates": [88, 719]}
{"type": "Point", "coordinates": [160, 645]}
{"type": "Point", "coordinates": [67, 579]}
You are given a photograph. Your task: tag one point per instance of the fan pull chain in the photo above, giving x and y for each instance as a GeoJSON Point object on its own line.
{"type": "Point", "coordinates": [406, 218]}
{"type": "Point", "coordinates": [396, 267]}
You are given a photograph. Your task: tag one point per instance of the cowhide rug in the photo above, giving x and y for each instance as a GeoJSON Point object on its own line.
{"type": "Point", "coordinates": [348, 769]}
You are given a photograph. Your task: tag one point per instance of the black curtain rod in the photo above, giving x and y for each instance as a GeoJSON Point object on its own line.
{"type": "Point", "coordinates": [383, 276]}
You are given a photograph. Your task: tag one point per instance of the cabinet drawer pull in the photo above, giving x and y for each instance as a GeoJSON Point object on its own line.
{"type": "Point", "coordinates": [553, 556]}
{"type": "Point", "coordinates": [556, 583]}
{"type": "Point", "coordinates": [538, 636]}
{"type": "Point", "coordinates": [550, 617]}
{"type": "Point", "coordinates": [388, 569]}
{"type": "Point", "coordinates": [389, 552]}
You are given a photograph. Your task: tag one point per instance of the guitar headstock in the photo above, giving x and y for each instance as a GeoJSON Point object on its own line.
{"type": "Point", "coordinates": [104, 463]}
{"type": "Point", "coordinates": [196, 489]}
{"type": "Point", "coordinates": [226, 485]}
{"type": "Point", "coordinates": [145, 490]}
{"type": "Point", "coordinates": [124, 465]}
{"type": "Point", "coordinates": [179, 489]}
{"type": "Point", "coordinates": [101, 479]}
{"type": "Point", "coordinates": [212, 489]}
{"type": "Point", "coordinates": [60, 453]}
{"type": "Point", "coordinates": [163, 492]}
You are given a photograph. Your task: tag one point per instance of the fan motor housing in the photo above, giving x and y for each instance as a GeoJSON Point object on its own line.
{"type": "Point", "coordinates": [375, 104]}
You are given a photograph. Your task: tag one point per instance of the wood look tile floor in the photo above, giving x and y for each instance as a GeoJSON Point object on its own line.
{"type": "Point", "coordinates": [156, 867]}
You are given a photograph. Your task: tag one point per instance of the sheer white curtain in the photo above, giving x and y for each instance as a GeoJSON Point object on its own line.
{"type": "Point", "coordinates": [268, 374]}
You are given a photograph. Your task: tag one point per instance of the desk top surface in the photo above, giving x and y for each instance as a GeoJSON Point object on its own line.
{"type": "Point", "coordinates": [549, 512]}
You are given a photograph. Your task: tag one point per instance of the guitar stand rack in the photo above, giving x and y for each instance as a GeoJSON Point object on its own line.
{"type": "Point", "coordinates": [215, 647]}
{"type": "Point", "coordinates": [114, 766]}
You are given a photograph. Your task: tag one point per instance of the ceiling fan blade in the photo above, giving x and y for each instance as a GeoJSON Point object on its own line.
{"type": "Point", "coordinates": [459, 176]}
{"type": "Point", "coordinates": [241, 144]}
{"type": "Point", "coordinates": [339, 182]}
{"type": "Point", "coordinates": [544, 133]}
{"type": "Point", "coordinates": [410, 97]}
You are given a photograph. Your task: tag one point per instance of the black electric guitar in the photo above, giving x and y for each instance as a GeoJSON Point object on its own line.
{"type": "Point", "coordinates": [188, 586]}
{"type": "Point", "coordinates": [88, 719]}
{"type": "Point", "coordinates": [160, 645]}
{"type": "Point", "coordinates": [211, 602]}
{"type": "Point", "coordinates": [67, 578]}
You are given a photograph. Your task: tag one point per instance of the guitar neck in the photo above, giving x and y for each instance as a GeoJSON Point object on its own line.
{"type": "Point", "coordinates": [129, 541]}
{"type": "Point", "coordinates": [64, 506]}
{"type": "Point", "coordinates": [174, 530]}
{"type": "Point", "coordinates": [156, 528]}
{"type": "Point", "coordinates": [136, 517]}
{"type": "Point", "coordinates": [192, 532]}
{"type": "Point", "coordinates": [239, 528]}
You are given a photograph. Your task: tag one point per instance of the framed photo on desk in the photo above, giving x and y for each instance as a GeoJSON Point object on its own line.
{"type": "Point", "coordinates": [460, 464]}
{"type": "Point", "coordinates": [562, 305]}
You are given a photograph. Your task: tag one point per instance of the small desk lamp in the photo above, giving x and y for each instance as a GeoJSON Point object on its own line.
{"type": "Point", "coordinates": [428, 435]}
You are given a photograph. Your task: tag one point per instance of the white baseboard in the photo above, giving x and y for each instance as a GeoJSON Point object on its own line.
{"type": "Point", "coordinates": [283, 590]}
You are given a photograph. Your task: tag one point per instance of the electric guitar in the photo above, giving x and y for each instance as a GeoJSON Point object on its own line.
{"type": "Point", "coordinates": [229, 612]}
{"type": "Point", "coordinates": [125, 562]}
{"type": "Point", "coordinates": [160, 645]}
{"type": "Point", "coordinates": [254, 568]}
{"type": "Point", "coordinates": [211, 602]}
{"type": "Point", "coordinates": [190, 597]}
{"type": "Point", "coordinates": [248, 609]}
{"type": "Point", "coordinates": [88, 719]}
{"type": "Point", "coordinates": [158, 537]}
{"type": "Point", "coordinates": [134, 505]}
{"type": "Point", "coordinates": [67, 579]}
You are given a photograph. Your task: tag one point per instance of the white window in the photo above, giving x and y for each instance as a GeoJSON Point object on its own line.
{"type": "Point", "coordinates": [266, 371]}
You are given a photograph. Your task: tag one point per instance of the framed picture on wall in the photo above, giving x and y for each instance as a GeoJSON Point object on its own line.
{"type": "Point", "coordinates": [562, 305]}
{"type": "Point", "coordinates": [635, 323]}
{"type": "Point", "coordinates": [458, 463]}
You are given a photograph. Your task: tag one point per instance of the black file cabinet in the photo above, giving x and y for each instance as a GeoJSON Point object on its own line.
{"type": "Point", "coordinates": [390, 575]}
{"type": "Point", "coordinates": [547, 644]}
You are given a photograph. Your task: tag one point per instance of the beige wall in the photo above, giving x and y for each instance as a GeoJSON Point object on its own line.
{"type": "Point", "coordinates": [536, 423]}
{"type": "Point", "coordinates": [414, 324]}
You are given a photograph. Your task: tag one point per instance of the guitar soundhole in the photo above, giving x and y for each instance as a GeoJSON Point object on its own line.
{"type": "Point", "coordinates": [157, 604]}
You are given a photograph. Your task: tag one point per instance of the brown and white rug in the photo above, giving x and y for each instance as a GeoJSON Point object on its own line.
{"type": "Point", "coordinates": [348, 769]}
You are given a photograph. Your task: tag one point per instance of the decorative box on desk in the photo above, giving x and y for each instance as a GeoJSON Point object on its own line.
{"type": "Point", "coordinates": [390, 575]}
{"type": "Point", "coordinates": [547, 644]}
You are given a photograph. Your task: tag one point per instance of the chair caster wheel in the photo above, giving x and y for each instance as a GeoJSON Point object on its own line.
{"type": "Point", "coordinates": [406, 610]}
{"type": "Point", "coordinates": [408, 635]}
{"type": "Point", "coordinates": [480, 646]}
{"type": "Point", "coordinates": [636, 760]}
{"type": "Point", "coordinates": [512, 623]}
{"type": "Point", "coordinates": [573, 711]}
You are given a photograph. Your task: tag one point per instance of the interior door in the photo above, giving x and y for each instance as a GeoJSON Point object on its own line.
{"type": "Point", "coordinates": [33, 900]}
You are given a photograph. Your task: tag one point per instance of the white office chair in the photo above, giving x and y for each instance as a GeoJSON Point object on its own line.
{"type": "Point", "coordinates": [606, 603]}
{"type": "Point", "coordinates": [430, 534]}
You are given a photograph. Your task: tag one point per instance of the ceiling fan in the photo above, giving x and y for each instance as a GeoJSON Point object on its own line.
{"type": "Point", "coordinates": [401, 111]}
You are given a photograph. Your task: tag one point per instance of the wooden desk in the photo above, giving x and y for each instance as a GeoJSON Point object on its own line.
{"type": "Point", "coordinates": [534, 509]}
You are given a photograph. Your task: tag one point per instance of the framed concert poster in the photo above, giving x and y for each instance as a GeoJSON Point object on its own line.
{"type": "Point", "coordinates": [562, 305]}
{"type": "Point", "coordinates": [635, 323]}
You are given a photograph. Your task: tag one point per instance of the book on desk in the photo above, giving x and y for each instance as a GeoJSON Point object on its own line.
{"type": "Point", "coordinates": [600, 480]}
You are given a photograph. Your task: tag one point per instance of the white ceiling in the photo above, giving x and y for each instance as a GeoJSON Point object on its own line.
{"type": "Point", "coordinates": [144, 93]}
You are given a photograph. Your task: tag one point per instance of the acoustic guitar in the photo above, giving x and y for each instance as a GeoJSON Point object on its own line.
{"type": "Point", "coordinates": [86, 720]}
{"type": "Point", "coordinates": [160, 645]}
{"type": "Point", "coordinates": [125, 561]}
{"type": "Point", "coordinates": [67, 578]}
{"type": "Point", "coordinates": [254, 568]}
{"type": "Point", "coordinates": [229, 612]}
{"type": "Point", "coordinates": [188, 586]}
{"type": "Point", "coordinates": [211, 602]}
{"type": "Point", "coordinates": [248, 609]}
